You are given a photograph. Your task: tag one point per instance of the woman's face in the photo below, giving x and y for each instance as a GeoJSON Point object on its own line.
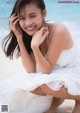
{"type": "Point", "coordinates": [31, 19]}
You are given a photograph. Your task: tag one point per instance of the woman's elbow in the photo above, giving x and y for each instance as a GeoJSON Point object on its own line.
{"type": "Point", "coordinates": [30, 70]}
{"type": "Point", "coordinates": [47, 71]}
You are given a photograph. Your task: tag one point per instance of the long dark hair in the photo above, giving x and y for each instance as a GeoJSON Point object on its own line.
{"type": "Point", "coordinates": [9, 44]}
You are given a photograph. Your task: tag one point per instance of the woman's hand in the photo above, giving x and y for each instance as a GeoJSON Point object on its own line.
{"type": "Point", "coordinates": [39, 37]}
{"type": "Point", "coordinates": [14, 26]}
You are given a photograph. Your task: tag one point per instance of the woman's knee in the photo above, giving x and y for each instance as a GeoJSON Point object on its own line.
{"type": "Point", "coordinates": [46, 89]}
{"type": "Point", "coordinates": [62, 93]}
{"type": "Point", "coordinates": [38, 91]}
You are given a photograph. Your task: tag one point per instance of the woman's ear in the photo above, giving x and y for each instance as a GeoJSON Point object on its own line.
{"type": "Point", "coordinates": [44, 13]}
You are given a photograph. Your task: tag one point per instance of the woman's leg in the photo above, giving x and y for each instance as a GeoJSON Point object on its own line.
{"type": "Point", "coordinates": [76, 108]}
{"type": "Point", "coordinates": [55, 102]}
{"type": "Point", "coordinates": [39, 91]}
{"type": "Point", "coordinates": [63, 94]}
{"type": "Point", "coordinates": [54, 105]}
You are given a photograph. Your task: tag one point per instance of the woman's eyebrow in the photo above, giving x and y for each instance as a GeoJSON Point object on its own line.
{"type": "Point", "coordinates": [32, 13]}
{"type": "Point", "coordinates": [29, 14]}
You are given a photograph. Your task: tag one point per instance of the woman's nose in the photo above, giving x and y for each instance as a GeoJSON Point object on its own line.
{"type": "Point", "coordinates": [28, 22]}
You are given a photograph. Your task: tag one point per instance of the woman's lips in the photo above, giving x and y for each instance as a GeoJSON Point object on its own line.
{"type": "Point", "coordinates": [30, 28]}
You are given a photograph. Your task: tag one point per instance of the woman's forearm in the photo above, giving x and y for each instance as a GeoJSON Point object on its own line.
{"type": "Point", "coordinates": [42, 62]}
{"type": "Point", "coordinates": [26, 59]}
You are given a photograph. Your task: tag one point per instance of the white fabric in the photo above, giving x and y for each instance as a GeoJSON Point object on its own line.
{"type": "Point", "coordinates": [14, 91]}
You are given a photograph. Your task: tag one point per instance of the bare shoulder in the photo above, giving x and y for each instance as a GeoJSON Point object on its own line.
{"type": "Point", "coordinates": [58, 43]}
{"type": "Point", "coordinates": [60, 35]}
{"type": "Point", "coordinates": [58, 31]}
{"type": "Point", "coordinates": [59, 28]}
{"type": "Point", "coordinates": [63, 33]}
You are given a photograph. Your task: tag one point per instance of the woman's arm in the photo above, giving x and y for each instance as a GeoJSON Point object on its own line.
{"type": "Point", "coordinates": [27, 60]}
{"type": "Point", "coordinates": [57, 44]}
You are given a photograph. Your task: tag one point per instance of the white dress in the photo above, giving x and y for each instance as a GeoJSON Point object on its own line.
{"type": "Point", "coordinates": [14, 91]}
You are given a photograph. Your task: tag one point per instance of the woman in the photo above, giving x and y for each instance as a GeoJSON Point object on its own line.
{"type": "Point", "coordinates": [46, 47]}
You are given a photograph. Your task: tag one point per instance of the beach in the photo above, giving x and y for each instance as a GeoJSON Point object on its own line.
{"type": "Point", "coordinates": [10, 68]}
{"type": "Point", "coordinates": [66, 107]}
{"type": "Point", "coordinates": [68, 14]}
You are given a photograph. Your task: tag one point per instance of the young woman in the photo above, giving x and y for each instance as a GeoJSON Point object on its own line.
{"type": "Point", "coordinates": [48, 53]}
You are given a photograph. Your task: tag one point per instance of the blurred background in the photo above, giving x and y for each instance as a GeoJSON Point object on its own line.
{"type": "Point", "coordinates": [66, 13]}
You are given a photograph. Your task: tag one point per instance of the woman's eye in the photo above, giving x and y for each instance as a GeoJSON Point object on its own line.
{"type": "Point", "coordinates": [21, 18]}
{"type": "Point", "coordinates": [33, 16]}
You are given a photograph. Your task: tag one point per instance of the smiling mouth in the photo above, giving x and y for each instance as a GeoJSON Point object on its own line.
{"type": "Point", "coordinates": [30, 28]}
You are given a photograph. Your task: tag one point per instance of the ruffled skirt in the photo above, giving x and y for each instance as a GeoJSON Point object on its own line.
{"type": "Point", "coordinates": [15, 91]}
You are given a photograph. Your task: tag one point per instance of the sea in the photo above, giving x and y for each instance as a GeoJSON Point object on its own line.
{"type": "Point", "coordinates": [65, 11]}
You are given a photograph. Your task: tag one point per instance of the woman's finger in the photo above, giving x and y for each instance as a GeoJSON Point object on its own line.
{"type": "Point", "coordinates": [46, 34]}
{"type": "Point", "coordinates": [13, 19]}
{"type": "Point", "coordinates": [13, 24]}
{"type": "Point", "coordinates": [13, 15]}
{"type": "Point", "coordinates": [16, 21]}
{"type": "Point", "coordinates": [43, 29]}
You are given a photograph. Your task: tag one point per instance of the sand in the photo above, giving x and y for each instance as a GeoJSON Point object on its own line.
{"type": "Point", "coordinates": [66, 107]}
{"type": "Point", "coordinates": [11, 68]}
